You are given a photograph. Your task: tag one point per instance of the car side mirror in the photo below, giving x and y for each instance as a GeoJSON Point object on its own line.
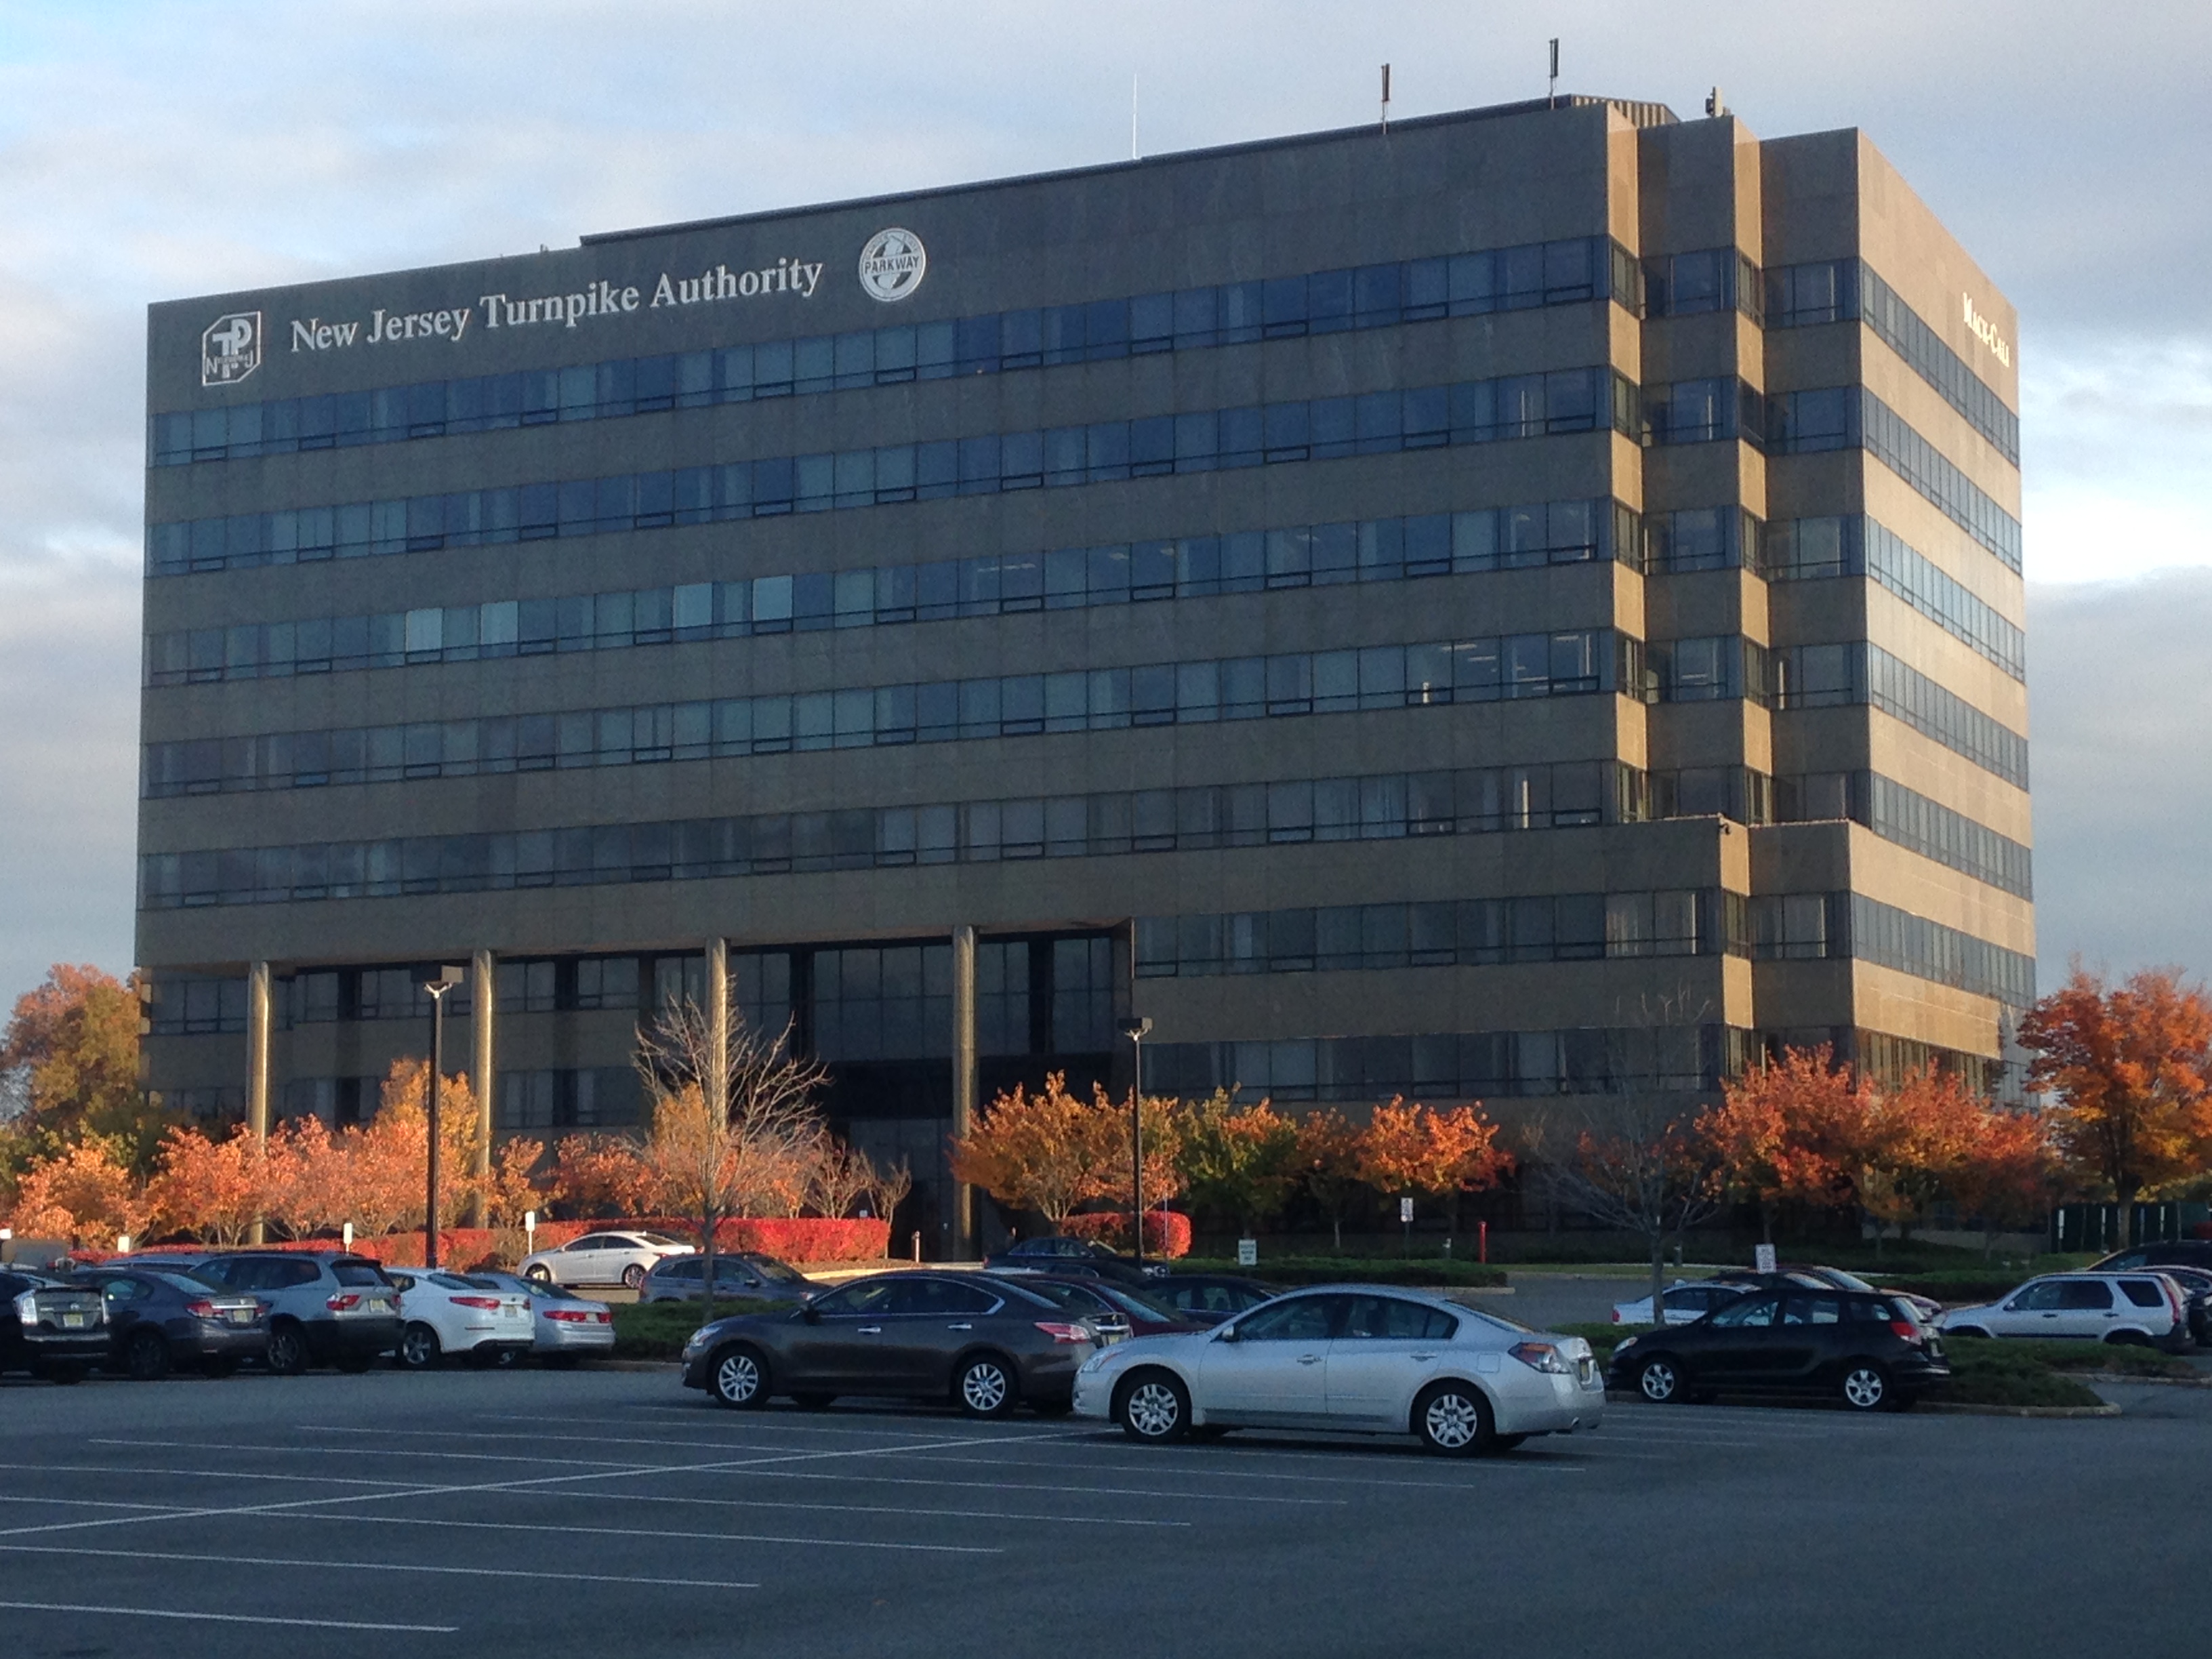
{"type": "Point", "coordinates": [810, 1314]}
{"type": "Point", "coordinates": [1228, 1334]}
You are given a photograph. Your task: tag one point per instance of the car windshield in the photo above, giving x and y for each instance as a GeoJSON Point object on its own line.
{"type": "Point", "coordinates": [190, 1283]}
{"type": "Point", "coordinates": [777, 1271]}
{"type": "Point", "coordinates": [357, 1273]}
{"type": "Point", "coordinates": [1079, 1298]}
{"type": "Point", "coordinates": [1843, 1280]}
{"type": "Point", "coordinates": [1143, 1306]}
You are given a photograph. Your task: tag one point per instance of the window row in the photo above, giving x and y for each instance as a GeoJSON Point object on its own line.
{"type": "Point", "coordinates": [1573, 271]}
{"type": "Point", "coordinates": [1852, 544]}
{"type": "Point", "coordinates": [1911, 821]}
{"type": "Point", "coordinates": [1812, 926]}
{"type": "Point", "coordinates": [1837, 675]}
{"type": "Point", "coordinates": [1373, 423]}
{"type": "Point", "coordinates": [1477, 800]}
{"type": "Point", "coordinates": [1587, 1060]}
{"type": "Point", "coordinates": [1838, 290]}
{"type": "Point", "coordinates": [1376, 549]}
{"type": "Point", "coordinates": [1516, 665]}
{"type": "Point", "coordinates": [1547, 927]}
{"type": "Point", "coordinates": [1709, 279]}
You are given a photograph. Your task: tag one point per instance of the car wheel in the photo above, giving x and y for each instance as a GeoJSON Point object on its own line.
{"type": "Point", "coordinates": [419, 1348]}
{"type": "Point", "coordinates": [1453, 1419]}
{"type": "Point", "coordinates": [739, 1379]}
{"type": "Point", "coordinates": [1154, 1408]}
{"type": "Point", "coordinates": [1659, 1380]}
{"type": "Point", "coordinates": [147, 1357]}
{"type": "Point", "coordinates": [811, 1401]}
{"type": "Point", "coordinates": [540, 1272]}
{"type": "Point", "coordinates": [986, 1387]}
{"type": "Point", "coordinates": [288, 1350]}
{"type": "Point", "coordinates": [633, 1277]}
{"type": "Point", "coordinates": [1866, 1387]}
{"type": "Point", "coordinates": [2127, 1339]}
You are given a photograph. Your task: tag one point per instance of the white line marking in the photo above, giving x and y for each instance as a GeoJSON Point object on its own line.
{"type": "Point", "coordinates": [389, 1454]}
{"type": "Point", "coordinates": [232, 1618]}
{"type": "Point", "coordinates": [1213, 1471]}
{"type": "Point", "coordinates": [633, 1532]}
{"type": "Point", "coordinates": [209, 1474]}
{"type": "Point", "coordinates": [322, 1562]}
{"type": "Point", "coordinates": [872, 1508]}
{"type": "Point", "coordinates": [94, 1504]}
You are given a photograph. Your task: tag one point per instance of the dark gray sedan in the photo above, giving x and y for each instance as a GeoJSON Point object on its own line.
{"type": "Point", "coordinates": [740, 1273]}
{"type": "Point", "coordinates": [971, 1339]}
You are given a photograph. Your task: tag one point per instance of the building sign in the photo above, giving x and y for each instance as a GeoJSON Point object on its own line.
{"type": "Point", "coordinates": [892, 264]}
{"type": "Point", "coordinates": [230, 349]}
{"type": "Point", "coordinates": [1984, 331]}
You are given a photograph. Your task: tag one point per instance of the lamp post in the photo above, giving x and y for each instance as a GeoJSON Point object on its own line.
{"type": "Point", "coordinates": [1136, 1031]}
{"type": "Point", "coordinates": [448, 978]}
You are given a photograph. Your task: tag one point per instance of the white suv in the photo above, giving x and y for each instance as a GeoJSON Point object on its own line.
{"type": "Point", "coordinates": [2142, 1307]}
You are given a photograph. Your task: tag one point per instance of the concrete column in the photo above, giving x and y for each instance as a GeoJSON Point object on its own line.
{"type": "Point", "coordinates": [484, 1077]}
{"type": "Point", "coordinates": [718, 1008]}
{"type": "Point", "coordinates": [257, 1066]}
{"type": "Point", "coordinates": [963, 1242]}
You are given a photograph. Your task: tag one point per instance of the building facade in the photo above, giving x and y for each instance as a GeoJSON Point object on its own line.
{"type": "Point", "coordinates": [1522, 606]}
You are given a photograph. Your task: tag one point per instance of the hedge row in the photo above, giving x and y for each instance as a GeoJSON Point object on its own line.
{"type": "Point", "coordinates": [792, 1238]}
{"type": "Point", "coordinates": [1167, 1232]}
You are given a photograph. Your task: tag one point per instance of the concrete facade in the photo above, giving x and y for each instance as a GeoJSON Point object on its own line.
{"type": "Point", "coordinates": [1772, 799]}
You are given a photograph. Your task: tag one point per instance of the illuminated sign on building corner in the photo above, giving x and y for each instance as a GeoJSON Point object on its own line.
{"type": "Point", "coordinates": [1986, 331]}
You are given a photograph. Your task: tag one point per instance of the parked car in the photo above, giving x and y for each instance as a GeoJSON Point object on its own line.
{"type": "Point", "coordinates": [984, 1343]}
{"type": "Point", "coordinates": [2143, 1307]}
{"type": "Point", "coordinates": [607, 1258]}
{"type": "Point", "coordinates": [565, 1326]}
{"type": "Point", "coordinates": [159, 1319]}
{"type": "Point", "coordinates": [2172, 1252]}
{"type": "Point", "coordinates": [1927, 1307]}
{"type": "Point", "coordinates": [52, 1328]}
{"type": "Point", "coordinates": [2197, 1300]}
{"type": "Point", "coordinates": [1871, 1352]}
{"type": "Point", "coordinates": [1116, 1310]}
{"type": "Point", "coordinates": [1352, 1357]}
{"type": "Point", "coordinates": [1214, 1296]}
{"type": "Point", "coordinates": [1061, 1254]}
{"type": "Point", "coordinates": [326, 1307]}
{"type": "Point", "coordinates": [447, 1313]}
{"type": "Point", "coordinates": [741, 1272]}
{"type": "Point", "coordinates": [1685, 1302]}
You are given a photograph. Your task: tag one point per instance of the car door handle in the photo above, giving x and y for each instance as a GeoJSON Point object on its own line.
{"type": "Point", "coordinates": [1308, 1359]}
{"type": "Point", "coordinates": [1420, 1356]}
{"type": "Point", "coordinates": [962, 1327]}
{"type": "Point", "coordinates": [869, 1330]}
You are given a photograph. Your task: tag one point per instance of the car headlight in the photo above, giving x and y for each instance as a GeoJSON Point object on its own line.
{"type": "Point", "coordinates": [1541, 1356]}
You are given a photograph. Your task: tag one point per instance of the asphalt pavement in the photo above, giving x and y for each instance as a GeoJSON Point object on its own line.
{"type": "Point", "coordinates": [612, 1513]}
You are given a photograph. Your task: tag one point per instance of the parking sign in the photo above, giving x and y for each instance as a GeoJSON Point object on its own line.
{"type": "Point", "coordinates": [1406, 1210]}
{"type": "Point", "coordinates": [1248, 1252]}
{"type": "Point", "coordinates": [1762, 1257]}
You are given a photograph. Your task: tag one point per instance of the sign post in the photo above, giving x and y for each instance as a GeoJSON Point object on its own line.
{"type": "Point", "coordinates": [529, 1231]}
{"type": "Point", "coordinates": [1405, 1220]}
{"type": "Point", "coordinates": [1762, 1258]}
{"type": "Point", "coordinates": [1248, 1252]}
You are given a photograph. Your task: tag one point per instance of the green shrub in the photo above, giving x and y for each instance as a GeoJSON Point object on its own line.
{"type": "Point", "coordinates": [659, 1330]}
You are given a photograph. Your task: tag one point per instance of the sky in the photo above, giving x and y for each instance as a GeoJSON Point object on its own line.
{"type": "Point", "coordinates": [155, 151]}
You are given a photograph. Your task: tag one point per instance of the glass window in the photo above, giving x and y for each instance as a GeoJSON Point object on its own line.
{"type": "Point", "coordinates": [1752, 1310]}
{"type": "Point", "coordinates": [1389, 1317]}
{"type": "Point", "coordinates": [2143, 1292]}
{"type": "Point", "coordinates": [1301, 1319]}
{"type": "Point", "coordinates": [2084, 1295]}
{"type": "Point", "coordinates": [1813, 1311]}
{"type": "Point", "coordinates": [873, 1297]}
{"type": "Point", "coordinates": [2042, 1296]}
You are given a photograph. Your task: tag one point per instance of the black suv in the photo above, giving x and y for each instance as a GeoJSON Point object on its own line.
{"type": "Point", "coordinates": [49, 1328]}
{"type": "Point", "coordinates": [1871, 1352]}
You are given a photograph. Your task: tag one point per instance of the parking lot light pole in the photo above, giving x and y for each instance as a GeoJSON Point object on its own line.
{"type": "Point", "coordinates": [448, 978]}
{"type": "Point", "coordinates": [1136, 1031]}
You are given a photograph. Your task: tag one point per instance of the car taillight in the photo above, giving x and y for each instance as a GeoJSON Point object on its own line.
{"type": "Point", "coordinates": [604, 1318]}
{"type": "Point", "coordinates": [200, 1310]}
{"type": "Point", "coordinates": [1541, 1357]}
{"type": "Point", "coordinates": [1060, 1333]}
{"type": "Point", "coordinates": [1616, 1316]}
{"type": "Point", "coordinates": [491, 1302]}
{"type": "Point", "coordinates": [568, 1315]}
{"type": "Point", "coordinates": [341, 1302]}
{"type": "Point", "coordinates": [1906, 1331]}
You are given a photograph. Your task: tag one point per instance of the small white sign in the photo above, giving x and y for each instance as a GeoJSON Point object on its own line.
{"type": "Point", "coordinates": [891, 264]}
{"type": "Point", "coordinates": [1406, 1210]}
{"type": "Point", "coordinates": [1762, 1258]}
{"type": "Point", "coordinates": [1248, 1252]}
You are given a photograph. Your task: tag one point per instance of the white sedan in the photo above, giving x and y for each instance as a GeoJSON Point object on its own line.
{"type": "Point", "coordinates": [603, 1258]}
{"type": "Point", "coordinates": [1686, 1303]}
{"type": "Point", "coordinates": [566, 1327]}
{"type": "Point", "coordinates": [1352, 1357]}
{"type": "Point", "coordinates": [453, 1312]}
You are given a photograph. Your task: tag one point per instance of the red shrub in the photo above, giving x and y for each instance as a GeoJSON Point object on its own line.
{"type": "Point", "coordinates": [1167, 1232]}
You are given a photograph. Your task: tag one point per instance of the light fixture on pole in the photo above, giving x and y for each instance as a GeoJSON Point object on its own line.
{"type": "Point", "coordinates": [448, 978]}
{"type": "Point", "coordinates": [1136, 1031]}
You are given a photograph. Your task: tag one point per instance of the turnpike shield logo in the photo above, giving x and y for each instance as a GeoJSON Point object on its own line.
{"type": "Point", "coordinates": [892, 264]}
{"type": "Point", "coordinates": [231, 349]}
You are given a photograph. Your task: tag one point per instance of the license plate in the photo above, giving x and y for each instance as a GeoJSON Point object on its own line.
{"type": "Point", "coordinates": [74, 1321]}
{"type": "Point", "coordinates": [239, 1315]}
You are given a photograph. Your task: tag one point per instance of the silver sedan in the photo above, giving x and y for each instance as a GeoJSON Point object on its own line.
{"type": "Point", "coordinates": [618, 1256]}
{"type": "Point", "coordinates": [1365, 1358]}
{"type": "Point", "coordinates": [565, 1326]}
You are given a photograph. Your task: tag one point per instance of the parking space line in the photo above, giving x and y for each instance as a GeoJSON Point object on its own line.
{"type": "Point", "coordinates": [92, 1503]}
{"type": "Point", "coordinates": [1068, 1488]}
{"type": "Point", "coordinates": [873, 1509]}
{"type": "Point", "coordinates": [233, 1618]}
{"type": "Point", "coordinates": [656, 1534]}
{"type": "Point", "coordinates": [1214, 1470]}
{"type": "Point", "coordinates": [386, 1452]}
{"type": "Point", "coordinates": [203, 1475]}
{"type": "Point", "coordinates": [326, 1563]}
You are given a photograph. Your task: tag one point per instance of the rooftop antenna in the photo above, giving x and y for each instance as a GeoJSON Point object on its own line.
{"type": "Point", "coordinates": [1552, 98]}
{"type": "Point", "coordinates": [1386, 100]}
{"type": "Point", "coordinates": [1713, 105]}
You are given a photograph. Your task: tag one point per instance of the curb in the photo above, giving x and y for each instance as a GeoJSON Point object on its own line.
{"type": "Point", "coordinates": [633, 1365]}
{"type": "Point", "coordinates": [1954, 1408]}
{"type": "Point", "coordinates": [2125, 1380]}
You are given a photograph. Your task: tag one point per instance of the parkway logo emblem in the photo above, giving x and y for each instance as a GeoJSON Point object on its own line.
{"type": "Point", "coordinates": [231, 349]}
{"type": "Point", "coordinates": [892, 264]}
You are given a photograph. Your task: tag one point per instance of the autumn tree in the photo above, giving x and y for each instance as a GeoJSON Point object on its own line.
{"type": "Point", "coordinates": [214, 1189]}
{"type": "Point", "coordinates": [595, 1174]}
{"type": "Point", "coordinates": [1240, 1162]}
{"type": "Point", "coordinates": [309, 1177]}
{"type": "Point", "coordinates": [1329, 1164]}
{"type": "Point", "coordinates": [1416, 1151]}
{"type": "Point", "coordinates": [394, 1145]}
{"type": "Point", "coordinates": [2005, 1174]}
{"type": "Point", "coordinates": [510, 1188]}
{"type": "Point", "coordinates": [1032, 1151]}
{"type": "Point", "coordinates": [2132, 1068]}
{"type": "Point", "coordinates": [71, 1050]}
{"type": "Point", "coordinates": [1777, 1127]}
{"type": "Point", "coordinates": [1112, 1155]}
{"type": "Point", "coordinates": [1647, 1166]}
{"type": "Point", "coordinates": [85, 1193]}
{"type": "Point", "coordinates": [734, 1124]}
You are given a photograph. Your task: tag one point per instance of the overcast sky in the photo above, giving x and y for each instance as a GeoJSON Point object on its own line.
{"type": "Point", "coordinates": [151, 152]}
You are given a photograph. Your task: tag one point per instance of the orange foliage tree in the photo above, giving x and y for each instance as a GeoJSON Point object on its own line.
{"type": "Point", "coordinates": [2006, 1174]}
{"type": "Point", "coordinates": [1035, 1150]}
{"type": "Point", "coordinates": [598, 1174]}
{"type": "Point", "coordinates": [71, 1047]}
{"type": "Point", "coordinates": [1238, 1163]}
{"type": "Point", "coordinates": [1113, 1158]}
{"type": "Point", "coordinates": [2132, 1069]}
{"type": "Point", "coordinates": [1416, 1151]}
{"type": "Point", "coordinates": [215, 1190]}
{"type": "Point", "coordinates": [1327, 1159]}
{"type": "Point", "coordinates": [85, 1193]}
{"type": "Point", "coordinates": [1777, 1125]}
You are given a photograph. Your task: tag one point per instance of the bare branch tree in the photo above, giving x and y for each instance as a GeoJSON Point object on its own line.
{"type": "Point", "coordinates": [1643, 1164]}
{"type": "Point", "coordinates": [841, 1176]}
{"type": "Point", "coordinates": [733, 1116]}
{"type": "Point", "coordinates": [888, 1186]}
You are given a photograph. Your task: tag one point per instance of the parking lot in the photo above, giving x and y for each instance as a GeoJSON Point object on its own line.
{"type": "Point", "coordinates": [610, 1512]}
